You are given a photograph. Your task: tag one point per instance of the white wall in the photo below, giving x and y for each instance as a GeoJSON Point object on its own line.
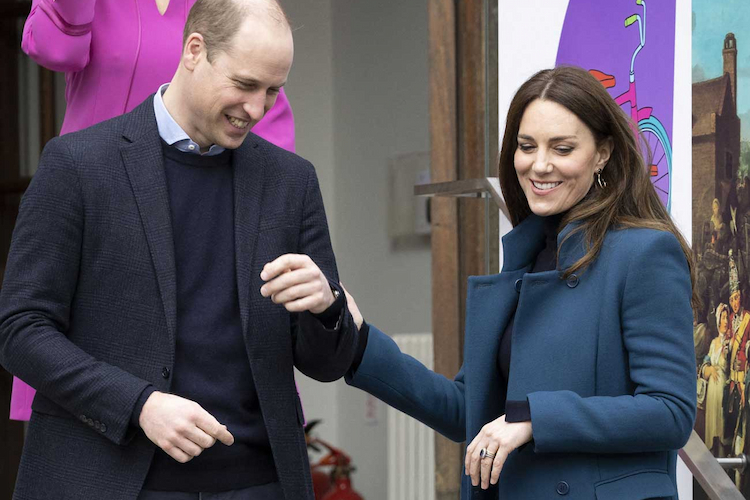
{"type": "Point", "coordinates": [359, 90]}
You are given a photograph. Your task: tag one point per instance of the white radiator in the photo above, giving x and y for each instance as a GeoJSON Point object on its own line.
{"type": "Point", "coordinates": [411, 444]}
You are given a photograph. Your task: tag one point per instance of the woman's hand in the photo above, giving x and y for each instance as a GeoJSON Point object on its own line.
{"type": "Point", "coordinates": [353, 309]}
{"type": "Point", "coordinates": [709, 372]}
{"type": "Point", "coordinates": [499, 438]}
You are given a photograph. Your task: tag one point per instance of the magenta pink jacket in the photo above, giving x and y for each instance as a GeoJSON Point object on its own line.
{"type": "Point", "coordinates": [114, 54]}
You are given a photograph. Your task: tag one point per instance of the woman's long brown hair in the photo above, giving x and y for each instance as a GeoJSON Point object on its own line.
{"type": "Point", "coordinates": [628, 201]}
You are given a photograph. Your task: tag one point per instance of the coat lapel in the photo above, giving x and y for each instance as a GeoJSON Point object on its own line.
{"type": "Point", "coordinates": [248, 167]}
{"type": "Point", "coordinates": [144, 162]}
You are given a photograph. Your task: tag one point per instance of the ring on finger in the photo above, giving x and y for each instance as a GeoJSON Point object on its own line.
{"type": "Point", "coordinates": [483, 453]}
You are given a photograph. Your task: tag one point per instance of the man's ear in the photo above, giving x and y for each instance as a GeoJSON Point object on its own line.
{"type": "Point", "coordinates": [193, 51]}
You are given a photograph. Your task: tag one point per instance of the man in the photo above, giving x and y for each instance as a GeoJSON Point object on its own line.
{"type": "Point", "coordinates": [167, 270]}
{"type": "Point", "coordinates": [739, 320]}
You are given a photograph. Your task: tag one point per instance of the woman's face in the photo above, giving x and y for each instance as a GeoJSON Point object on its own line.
{"type": "Point", "coordinates": [723, 321]}
{"type": "Point", "coordinates": [556, 157]}
{"type": "Point", "coordinates": [715, 206]}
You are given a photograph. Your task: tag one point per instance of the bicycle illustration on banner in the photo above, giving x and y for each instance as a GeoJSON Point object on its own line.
{"type": "Point", "coordinates": [593, 37]}
{"type": "Point", "coordinates": [656, 148]}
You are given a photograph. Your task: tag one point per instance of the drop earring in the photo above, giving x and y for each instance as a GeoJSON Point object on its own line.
{"type": "Point", "coordinates": [600, 180]}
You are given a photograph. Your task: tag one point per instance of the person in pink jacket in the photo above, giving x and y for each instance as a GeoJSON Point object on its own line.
{"type": "Point", "coordinates": [115, 54]}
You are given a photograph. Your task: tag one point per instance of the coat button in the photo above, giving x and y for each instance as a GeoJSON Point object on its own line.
{"type": "Point", "coordinates": [562, 488]}
{"type": "Point", "coordinates": [518, 285]}
{"type": "Point", "coordinates": [572, 281]}
{"type": "Point", "coordinates": [83, 418]}
{"type": "Point", "coordinates": [102, 428]}
{"type": "Point", "coordinates": [165, 372]}
{"type": "Point", "coordinates": [90, 422]}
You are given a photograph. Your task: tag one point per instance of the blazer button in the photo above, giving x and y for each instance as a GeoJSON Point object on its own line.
{"type": "Point", "coordinates": [165, 372]}
{"type": "Point", "coordinates": [102, 428]}
{"type": "Point", "coordinates": [82, 418]}
{"type": "Point", "coordinates": [562, 488]}
{"type": "Point", "coordinates": [90, 422]}
{"type": "Point", "coordinates": [518, 285]}
{"type": "Point", "coordinates": [572, 281]}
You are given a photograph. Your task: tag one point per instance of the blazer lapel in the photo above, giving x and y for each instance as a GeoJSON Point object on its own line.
{"type": "Point", "coordinates": [143, 159]}
{"type": "Point", "coordinates": [248, 165]}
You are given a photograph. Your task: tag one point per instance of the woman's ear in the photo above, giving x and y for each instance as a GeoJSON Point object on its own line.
{"type": "Point", "coordinates": [605, 151]}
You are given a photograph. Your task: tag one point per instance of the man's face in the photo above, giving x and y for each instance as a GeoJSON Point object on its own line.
{"type": "Point", "coordinates": [230, 94]}
{"type": "Point", "coordinates": [734, 301]}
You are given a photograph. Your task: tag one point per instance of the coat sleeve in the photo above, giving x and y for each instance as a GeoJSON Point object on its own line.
{"type": "Point", "coordinates": [321, 353]}
{"type": "Point", "coordinates": [404, 383]}
{"type": "Point", "coordinates": [38, 289]}
{"type": "Point", "coordinates": [57, 33]}
{"type": "Point", "coordinates": [656, 322]}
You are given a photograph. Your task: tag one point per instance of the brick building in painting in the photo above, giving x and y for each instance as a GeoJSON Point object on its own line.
{"type": "Point", "coordinates": [716, 144]}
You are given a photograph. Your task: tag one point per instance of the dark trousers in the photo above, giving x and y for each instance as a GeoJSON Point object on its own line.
{"type": "Point", "coordinates": [270, 491]}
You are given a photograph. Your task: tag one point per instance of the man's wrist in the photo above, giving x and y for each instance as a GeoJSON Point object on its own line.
{"type": "Point", "coordinates": [331, 317]}
{"type": "Point", "coordinates": [138, 408]}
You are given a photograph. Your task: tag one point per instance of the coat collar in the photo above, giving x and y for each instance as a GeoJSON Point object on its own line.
{"type": "Point", "coordinates": [144, 163]}
{"type": "Point", "coordinates": [522, 244]}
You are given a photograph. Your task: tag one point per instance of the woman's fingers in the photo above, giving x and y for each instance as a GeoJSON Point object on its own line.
{"type": "Point", "coordinates": [487, 464]}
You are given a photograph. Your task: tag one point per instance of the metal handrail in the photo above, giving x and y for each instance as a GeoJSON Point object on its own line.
{"type": "Point", "coordinates": [478, 188]}
{"type": "Point", "coordinates": [707, 470]}
{"type": "Point", "coordinates": [739, 462]}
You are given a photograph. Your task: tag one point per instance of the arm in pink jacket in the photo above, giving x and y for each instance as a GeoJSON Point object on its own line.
{"type": "Point", "coordinates": [57, 33]}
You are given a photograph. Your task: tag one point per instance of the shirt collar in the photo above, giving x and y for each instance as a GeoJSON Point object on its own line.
{"type": "Point", "coordinates": [172, 133]}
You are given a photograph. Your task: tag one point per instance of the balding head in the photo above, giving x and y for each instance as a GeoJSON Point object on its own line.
{"type": "Point", "coordinates": [218, 21]}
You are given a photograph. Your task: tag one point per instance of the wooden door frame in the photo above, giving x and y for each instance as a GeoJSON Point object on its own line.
{"type": "Point", "coordinates": [463, 141]}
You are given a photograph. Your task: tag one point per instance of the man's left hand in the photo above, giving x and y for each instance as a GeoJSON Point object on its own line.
{"type": "Point", "coordinates": [296, 282]}
{"type": "Point", "coordinates": [498, 438]}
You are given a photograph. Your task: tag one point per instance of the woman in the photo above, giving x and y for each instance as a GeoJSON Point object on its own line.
{"type": "Point", "coordinates": [114, 55]}
{"type": "Point", "coordinates": [597, 390]}
{"type": "Point", "coordinates": [714, 370]}
{"type": "Point", "coordinates": [117, 53]}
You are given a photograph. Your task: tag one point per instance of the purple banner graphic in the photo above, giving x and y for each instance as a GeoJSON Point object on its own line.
{"type": "Point", "coordinates": [629, 46]}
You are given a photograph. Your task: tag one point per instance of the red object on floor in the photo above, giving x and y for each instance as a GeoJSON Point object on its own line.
{"type": "Point", "coordinates": [342, 490]}
{"type": "Point", "coordinates": [331, 474]}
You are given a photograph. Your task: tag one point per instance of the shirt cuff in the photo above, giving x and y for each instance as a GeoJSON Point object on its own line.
{"type": "Point", "coordinates": [136, 415]}
{"type": "Point", "coordinates": [517, 411]}
{"type": "Point", "coordinates": [331, 317]}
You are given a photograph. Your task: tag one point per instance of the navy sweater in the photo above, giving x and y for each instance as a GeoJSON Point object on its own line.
{"type": "Point", "coordinates": [211, 364]}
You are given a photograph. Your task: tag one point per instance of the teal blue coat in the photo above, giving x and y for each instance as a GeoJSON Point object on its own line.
{"type": "Point", "coordinates": [605, 360]}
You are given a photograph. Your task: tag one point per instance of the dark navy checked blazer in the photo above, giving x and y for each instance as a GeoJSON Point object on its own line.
{"type": "Point", "coordinates": [605, 360]}
{"type": "Point", "coordinates": [87, 307]}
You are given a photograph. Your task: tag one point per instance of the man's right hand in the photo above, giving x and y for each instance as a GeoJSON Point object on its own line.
{"type": "Point", "coordinates": [180, 427]}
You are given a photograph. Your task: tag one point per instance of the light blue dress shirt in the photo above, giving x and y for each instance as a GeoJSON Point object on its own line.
{"type": "Point", "coordinates": [172, 133]}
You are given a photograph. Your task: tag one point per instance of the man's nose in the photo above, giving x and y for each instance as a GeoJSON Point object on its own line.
{"type": "Point", "coordinates": [255, 106]}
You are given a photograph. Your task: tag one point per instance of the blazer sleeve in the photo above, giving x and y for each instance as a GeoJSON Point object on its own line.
{"type": "Point", "coordinates": [321, 353]}
{"type": "Point", "coordinates": [35, 303]}
{"type": "Point", "coordinates": [404, 383]}
{"type": "Point", "coordinates": [656, 319]}
{"type": "Point", "coordinates": [57, 33]}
